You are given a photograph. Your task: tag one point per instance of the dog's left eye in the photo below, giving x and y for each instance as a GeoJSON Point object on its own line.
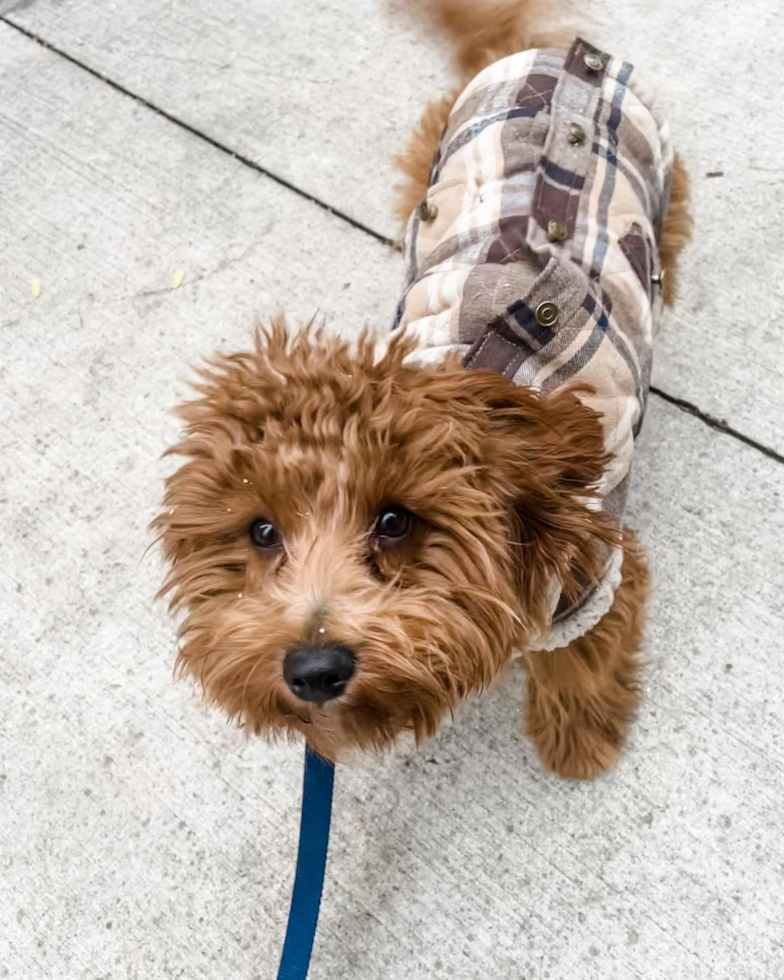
{"type": "Point", "coordinates": [394, 523]}
{"type": "Point", "coordinates": [264, 534]}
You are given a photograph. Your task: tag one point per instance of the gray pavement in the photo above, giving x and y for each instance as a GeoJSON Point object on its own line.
{"type": "Point", "coordinates": [140, 836]}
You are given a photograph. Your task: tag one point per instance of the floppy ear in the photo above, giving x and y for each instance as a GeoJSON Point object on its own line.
{"type": "Point", "coordinates": [546, 454]}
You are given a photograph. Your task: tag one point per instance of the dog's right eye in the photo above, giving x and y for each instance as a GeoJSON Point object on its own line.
{"type": "Point", "coordinates": [394, 523]}
{"type": "Point", "coordinates": [264, 534]}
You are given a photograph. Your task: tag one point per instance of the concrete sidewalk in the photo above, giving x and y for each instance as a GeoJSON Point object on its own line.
{"type": "Point", "coordinates": [140, 837]}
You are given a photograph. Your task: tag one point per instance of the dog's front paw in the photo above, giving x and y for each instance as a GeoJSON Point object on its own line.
{"type": "Point", "coordinates": [579, 728]}
{"type": "Point", "coordinates": [576, 748]}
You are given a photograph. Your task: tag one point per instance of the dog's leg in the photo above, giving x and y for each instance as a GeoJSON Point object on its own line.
{"type": "Point", "coordinates": [579, 698]}
{"type": "Point", "coordinates": [676, 230]}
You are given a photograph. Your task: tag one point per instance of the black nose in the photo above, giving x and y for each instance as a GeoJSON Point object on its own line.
{"type": "Point", "coordinates": [318, 673]}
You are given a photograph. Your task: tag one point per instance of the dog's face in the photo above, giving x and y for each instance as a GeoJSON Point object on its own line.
{"type": "Point", "coordinates": [358, 543]}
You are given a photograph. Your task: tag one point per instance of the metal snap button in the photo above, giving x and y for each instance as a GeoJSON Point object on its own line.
{"type": "Point", "coordinates": [546, 314]}
{"type": "Point", "coordinates": [556, 232]}
{"type": "Point", "coordinates": [426, 211]}
{"type": "Point", "coordinates": [576, 134]}
{"type": "Point", "coordinates": [593, 61]}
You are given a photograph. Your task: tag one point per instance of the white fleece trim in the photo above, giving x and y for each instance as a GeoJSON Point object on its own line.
{"type": "Point", "coordinates": [586, 617]}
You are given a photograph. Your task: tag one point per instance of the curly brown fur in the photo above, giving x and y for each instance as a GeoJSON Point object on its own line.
{"type": "Point", "coordinates": [320, 438]}
{"type": "Point", "coordinates": [579, 698]}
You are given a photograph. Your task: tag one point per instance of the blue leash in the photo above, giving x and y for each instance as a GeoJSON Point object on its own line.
{"type": "Point", "coordinates": [311, 860]}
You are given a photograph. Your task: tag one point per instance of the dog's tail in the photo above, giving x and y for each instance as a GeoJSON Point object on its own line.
{"type": "Point", "coordinates": [486, 30]}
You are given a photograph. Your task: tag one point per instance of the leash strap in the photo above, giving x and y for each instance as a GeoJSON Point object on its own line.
{"type": "Point", "coordinates": [311, 861]}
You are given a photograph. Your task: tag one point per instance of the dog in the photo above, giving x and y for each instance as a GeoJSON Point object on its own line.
{"type": "Point", "coordinates": [362, 535]}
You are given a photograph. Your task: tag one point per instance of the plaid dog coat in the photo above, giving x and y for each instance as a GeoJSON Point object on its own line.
{"type": "Point", "coordinates": [535, 251]}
